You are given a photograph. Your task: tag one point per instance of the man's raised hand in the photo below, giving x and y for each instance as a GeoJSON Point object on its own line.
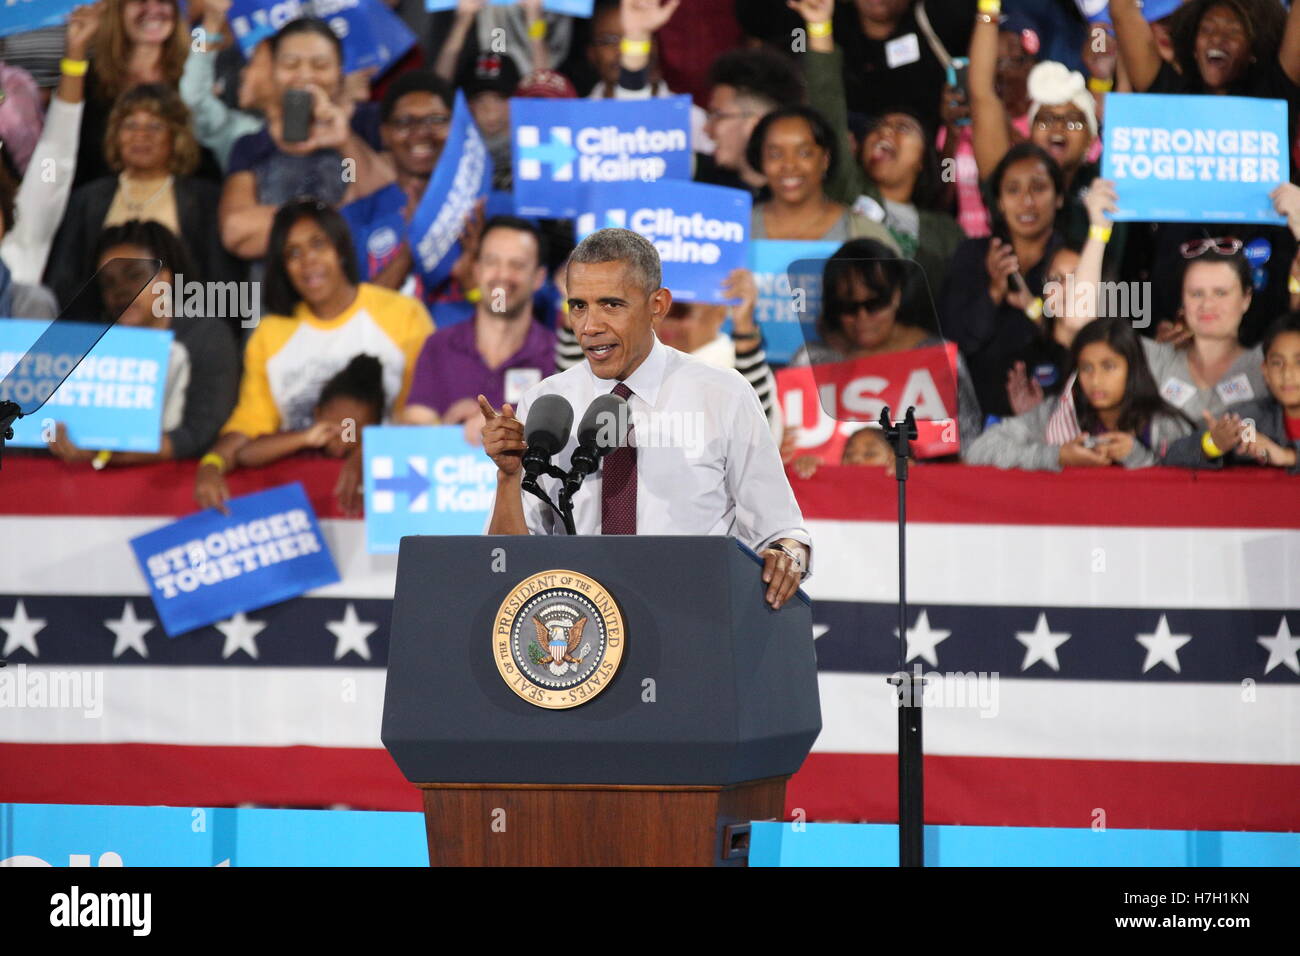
{"type": "Point", "coordinates": [503, 437]}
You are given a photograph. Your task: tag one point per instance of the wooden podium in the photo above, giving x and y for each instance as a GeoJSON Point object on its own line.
{"type": "Point", "coordinates": [712, 707]}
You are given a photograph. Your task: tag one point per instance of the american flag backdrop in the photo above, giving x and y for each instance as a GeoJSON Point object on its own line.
{"type": "Point", "coordinates": [1118, 648]}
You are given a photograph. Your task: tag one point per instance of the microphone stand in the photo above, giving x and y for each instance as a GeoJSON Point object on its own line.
{"type": "Point", "coordinates": [10, 412]}
{"type": "Point", "coordinates": [911, 788]}
{"type": "Point", "coordinates": [565, 511]}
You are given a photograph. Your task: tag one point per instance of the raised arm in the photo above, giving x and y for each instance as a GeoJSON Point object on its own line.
{"type": "Point", "coordinates": [1137, 43]}
{"type": "Point", "coordinates": [1288, 54]}
{"type": "Point", "coordinates": [990, 128]}
{"type": "Point", "coordinates": [449, 54]}
{"type": "Point", "coordinates": [823, 64]}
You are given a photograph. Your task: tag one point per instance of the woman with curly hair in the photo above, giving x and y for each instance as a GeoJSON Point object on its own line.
{"type": "Point", "coordinates": [152, 151]}
{"type": "Point", "coordinates": [139, 41]}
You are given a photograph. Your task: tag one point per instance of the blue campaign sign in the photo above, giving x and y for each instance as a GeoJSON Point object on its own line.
{"type": "Point", "coordinates": [372, 35]}
{"type": "Point", "coordinates": [700, 231]}
{"type": "Point", "coordinates": [19, 16]}
{"type": "Point", "coordinates": [573, 8]}
{"type": "Point", "coordinates": [788, 274]}
{"type": "Point", "coordinates": [1195, 158]}
{"type": "Point", "coordinates": [112, 401]}
{"type": "Point", "coordinates": [423, 480]}
{"type": "Point", "coordinates": [463, 175]}
{"type": "Point", "coordinates": [564, 146]}
{"type": "Point", "coordinates": [211, 566]}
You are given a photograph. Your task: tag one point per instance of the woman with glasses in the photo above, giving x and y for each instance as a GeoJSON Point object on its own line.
{"type": "Point", "coordinates": [323, 316]}
{"type": "Point", "coordinates": [896, 179]}
{"type": "Point", "coordinates": [1209, 369]}
{"type": "Point", "coordinates": [414, 119]}
{"type": "Point", "coordinates": [153, 151]}
{"type": "Point", "coordinates": [873, 304]}
{"type": "Point", "coordinates": [797, 151]}
{"type": "Point", "coordinates": [992, 303]}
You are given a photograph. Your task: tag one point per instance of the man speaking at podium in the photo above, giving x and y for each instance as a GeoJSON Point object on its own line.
{"type": "Point", "coordinates": [700, 458]}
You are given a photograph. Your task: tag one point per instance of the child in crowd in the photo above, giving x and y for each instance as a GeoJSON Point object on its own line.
{"type": "Point", "coordinates": [1265, 431]}
{"type": "Point", "coordinates": [1119, 416]}
{"type": "Point", "coordinates": [866, 446]}
{"type": "Point", "coordinates": [351, 400]}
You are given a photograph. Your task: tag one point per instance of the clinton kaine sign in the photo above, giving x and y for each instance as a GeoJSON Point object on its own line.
{"type": "Point", "coordinates": [562, 146]}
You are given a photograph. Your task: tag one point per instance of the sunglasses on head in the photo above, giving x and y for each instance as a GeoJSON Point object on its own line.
{"type": "Point", "coordinates": [1223, 245]}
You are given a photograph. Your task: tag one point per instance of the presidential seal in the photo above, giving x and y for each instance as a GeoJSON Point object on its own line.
{"type": "Point", "coordinates": [558, 639]}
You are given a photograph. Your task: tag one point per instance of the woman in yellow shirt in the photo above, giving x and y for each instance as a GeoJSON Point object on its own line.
{"type": "Point", "coordinates": [322, 316]}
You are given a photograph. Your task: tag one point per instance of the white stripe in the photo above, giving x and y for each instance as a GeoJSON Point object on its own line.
{"type": "Point", "coordinates": [93, 556]}
{"type": "Point", "coordinates": [329, 707]}
{"type": "Point", "coordinates": [215, 707]}
{"type": "Point", "coordinates": [1058, 566]}
{"type": "Point", "coordinates": [986, 565]}
{"type": "Point", "coordinates": [1075, 720]}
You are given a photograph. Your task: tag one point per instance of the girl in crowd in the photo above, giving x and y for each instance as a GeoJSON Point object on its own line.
{"type": "Point", "coordinates": [265, 170]}
{"type": "Point", "coordinates": [139, 41]}
{"type": "Point", "coordinates": [1121, 418]}
{"type": "Point", "coordinates": [896, 179]}
{"type": "Point", "coordinates": [150, 145]}
{"type": "Point", "coordinates": [1210, 369]}
{"type": "Point", "coordinates": [990, 305]}
{"type": "Point", "coordinates": [1266, 432]}
{"type": "Point", "coordinates": [351, 400]}
{"type": "Point", "coordinates": [322, 317]}
{"type": "Point", "coordinates": [873, 304]}
{"type": "Point", "coordinates": [796, 150]}
{"type": "Point", "coordinates": [203, 368]}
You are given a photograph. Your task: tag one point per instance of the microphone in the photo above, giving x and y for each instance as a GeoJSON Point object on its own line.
{"type": "Point", "coordinates": [602, 429]}
{"type": "Point", "coordinates": [546, 432]}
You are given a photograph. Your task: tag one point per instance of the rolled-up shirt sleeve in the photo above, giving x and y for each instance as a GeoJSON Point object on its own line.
{"type": "Point", "coordinates": [766, 509]}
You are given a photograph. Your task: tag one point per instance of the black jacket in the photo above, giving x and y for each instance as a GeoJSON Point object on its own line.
{"type": "Point", "coordinates": [72, 257]}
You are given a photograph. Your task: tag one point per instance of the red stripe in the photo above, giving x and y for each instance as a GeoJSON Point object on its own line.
{"type": "Point", "coordinates": [1244, 497]}
{"type": "Point", "coordinates": [985, 791]}
{"type": "Point", "coordinates": [151, 774]}
{"type": "Point", "coordinates": [1001, 791]}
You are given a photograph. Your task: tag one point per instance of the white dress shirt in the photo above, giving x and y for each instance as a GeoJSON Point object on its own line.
{"type": "Point", "coordinates": [706, 459]}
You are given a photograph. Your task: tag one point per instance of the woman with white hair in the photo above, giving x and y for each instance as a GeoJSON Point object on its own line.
{"type": "Point", "coordinates": [1062, 121]}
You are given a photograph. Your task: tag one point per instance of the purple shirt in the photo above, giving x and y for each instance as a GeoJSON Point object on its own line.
{"type": "Point", "coordinates": [450, 368]}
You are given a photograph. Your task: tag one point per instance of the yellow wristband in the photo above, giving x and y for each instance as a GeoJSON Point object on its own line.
{"type": "Point", "coordinates": [1100, 233]}
{"type": "Point", "coordinates": [474, 295]}
{"type": "Point", "coordinates": [822, 29]}
{"type": "Point", "coordinates": [1098, 85]}
{"type": "Point", "coordinates": [101, 460]}
{"type": "Point", "coordinates": [537, 29]}
{"type": "Point", "coordinates": [1211, 449]}
{"type": "Point", "coordinates": [1293, 285]}
{"type": "Point", "coordinates": [634, 47]}
{"type": "Point", "coordinates": [1035, 309]}
{"type": "Point", "coordinates": [212, 458]}
{"type": "Point", "coordinates": [74, 67]}
{"type": "Point", "coordinates": [991, 7]}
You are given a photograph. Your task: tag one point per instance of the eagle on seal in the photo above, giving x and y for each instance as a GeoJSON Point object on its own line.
{"type": "Point", "coordinates": [558, 642]}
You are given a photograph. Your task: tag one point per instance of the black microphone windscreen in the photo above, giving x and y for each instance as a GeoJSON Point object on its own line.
{"type": "Point", "coordinates": [605, 424]}
{"type": "Point", "coordinates": [550, 419]}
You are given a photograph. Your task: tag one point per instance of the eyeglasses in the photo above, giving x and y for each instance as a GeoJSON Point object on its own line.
{"type": "Point", "coordinates": [1223, 245]}
{"type": "Point", "coordinates": [409, 124]}
{"type": "Point", "coordinates": [1049, 122]}
{"type": "Point", "coordinates": [898, 126]}
{"type": "Point", "coordinates": [873, 305]}
{"type": "Point", "coordinates": [715, 115]}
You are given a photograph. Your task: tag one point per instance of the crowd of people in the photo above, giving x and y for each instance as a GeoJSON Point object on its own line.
{"type": "Point", "coordinates": [951, 149]}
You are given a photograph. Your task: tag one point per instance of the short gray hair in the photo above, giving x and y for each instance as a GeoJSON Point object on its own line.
{"type": "Point", "coordinates": [623, 245]}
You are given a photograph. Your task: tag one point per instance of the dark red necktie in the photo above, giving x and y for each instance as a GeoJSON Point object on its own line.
{"type": "Point", "coordinates": [618, 483]}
